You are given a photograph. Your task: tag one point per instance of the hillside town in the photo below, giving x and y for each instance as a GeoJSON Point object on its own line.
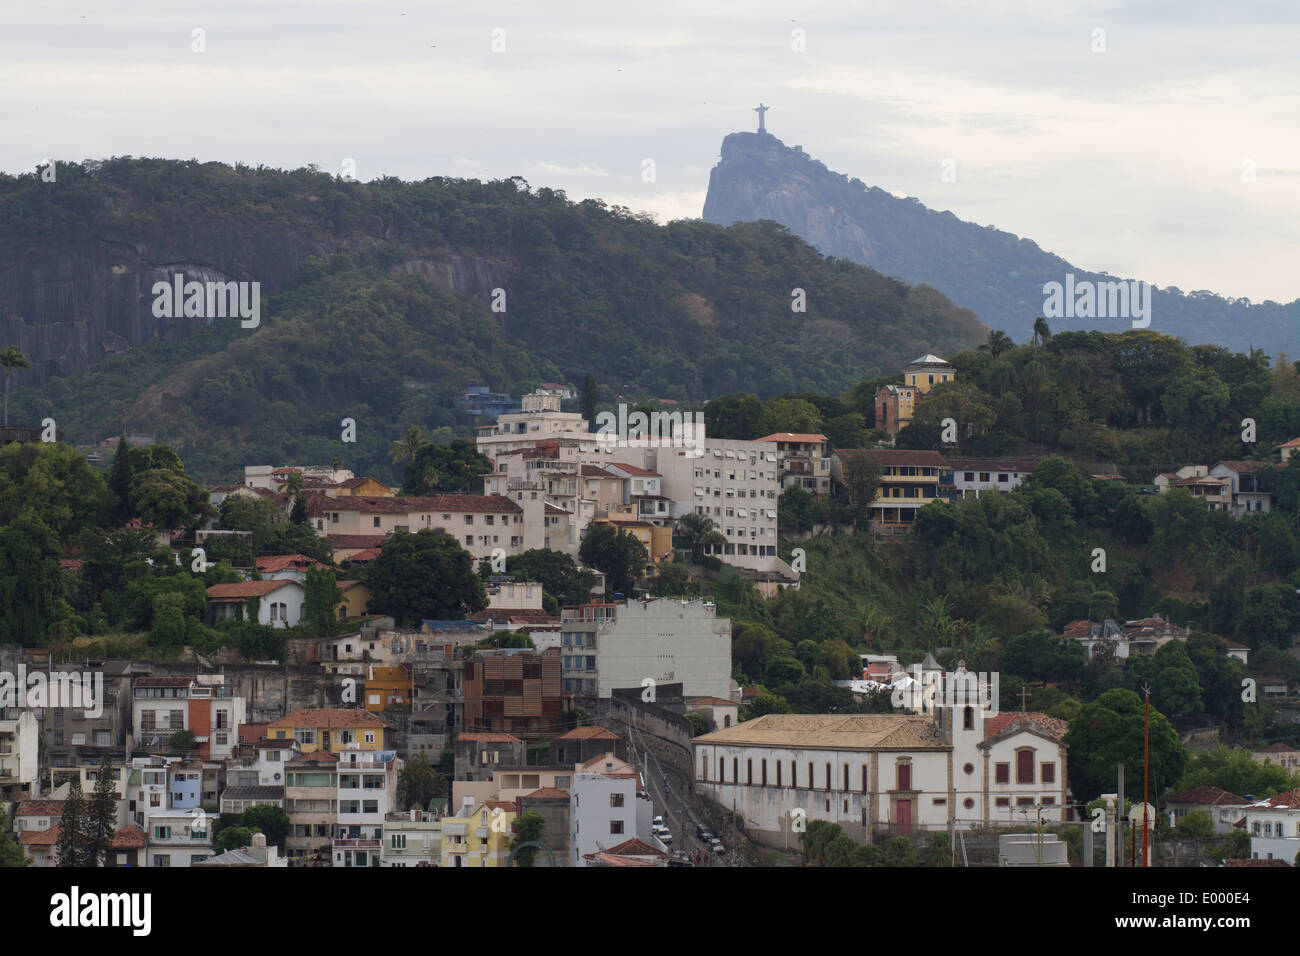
{"type": "Point", "coordinates": [620, 729]}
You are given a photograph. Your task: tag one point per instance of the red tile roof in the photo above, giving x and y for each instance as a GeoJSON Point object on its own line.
{"type": "Point", "coordinates": [243, 590]}
{"type": "Point", "coordinates": [711, 702]}
{"type": "Point", "coordinates": [319, 504]}
{"type": "Point", "coordinates": [589, 733]}
{"type": "Point", "coordinates": [1246, 467]}
{"type": "Point", "coordinates": [40, 808]}
{"type": "Point", "coordinates": [356, 540]}
{"type": "Point", "coordinates": [547, 793]}
{"type": "Point", "coordinates": [1054, 727]}
{"type": "Point", "coordinates": [594, 471]}
{"type": "Point", "coordinates": [634, 847]}
{"type": "Point", "coordinates": [1208, 796]}
{"type": "Point", "coordinates": [268, 563]}
{"type": "Point", "coordinates": [129, 837]}
{"type": "Point", "coordinates": [331, 718]}
{"type": "Point", "coordinates": [48, 837]}
{"type": "Point", "coordinates": [1287, 800]}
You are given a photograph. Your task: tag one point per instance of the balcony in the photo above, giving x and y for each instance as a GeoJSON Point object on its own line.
{"type": "Point", "coordinates": [353, 844]}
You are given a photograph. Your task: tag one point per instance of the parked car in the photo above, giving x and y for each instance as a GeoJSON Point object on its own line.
{"type": "Point", "coordinates": [657, 822]}
{"type": "Point", "coordinates": [705, 833]}
{"type": "Point", "coordinates": [717, 846]}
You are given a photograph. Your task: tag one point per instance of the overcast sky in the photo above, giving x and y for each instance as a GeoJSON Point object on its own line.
{"type": "Point", "coordinates": [1137, 160]}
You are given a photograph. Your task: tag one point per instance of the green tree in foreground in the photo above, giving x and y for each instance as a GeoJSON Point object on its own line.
{"type": "Point", "coordinates": [11, 854]}
{"type": "Point", "coordinates": [527, 828]}
{"type": "Point", "coordinates": [71, 848]}
{"type": "Point", "coordinates": [417, 785]}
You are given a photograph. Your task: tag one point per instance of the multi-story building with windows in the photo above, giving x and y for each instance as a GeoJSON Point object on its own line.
{"type": "Point", "coordinates": [802, 460]}
{"type": "Point", "coordinates": [736, 484]}
{"type": "Point", "coordinates": [205, 705]}
{"type": "Point", "coordinates": [909, 480]}
{"type": "Point", "coordinates": [367, 782]}
{"type": "Point", "coordinates": [311, 796]}
{"type": "Point", "coordinates": [332, 729]}
{"type": "Point", "coordinates": [608, 646]}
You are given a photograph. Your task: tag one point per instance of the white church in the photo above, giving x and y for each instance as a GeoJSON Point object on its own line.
{"type": "Point", "coordinates": [947, 767]}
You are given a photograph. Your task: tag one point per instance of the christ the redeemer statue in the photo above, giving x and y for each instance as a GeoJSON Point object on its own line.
{"type": "Point", "coordinates": [760, 109]}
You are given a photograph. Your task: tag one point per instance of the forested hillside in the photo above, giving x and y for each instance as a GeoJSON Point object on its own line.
{"type": "Point", "coordinates": [380, 303]}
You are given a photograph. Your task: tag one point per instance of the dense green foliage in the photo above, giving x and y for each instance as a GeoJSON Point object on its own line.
{"type": "Point", "coordinates": [425, 575]}
{"type": "Point", "coordinates": [370, 336]}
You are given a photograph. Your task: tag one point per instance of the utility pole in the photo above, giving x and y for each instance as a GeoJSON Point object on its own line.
{"type": "Point", "coordinates": [1146, 763]}
{"type": "Point", "coordinates": [1119, 821]}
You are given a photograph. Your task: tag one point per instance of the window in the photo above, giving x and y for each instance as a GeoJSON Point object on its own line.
{"type": "Point", "coordinates": [398, 841]}
{"type": "Point", "coordinates": [968, 803]}
{"type": "Point", "coordinates": [1004, 801]}
{"type": "Point", "coordinates": [376, 520]}
{"type": "Point", "coordinates": [1049, 773]}
{"type": "Point", "coordinates": [1024, 801]}
{"type": "Point", "coordinates": [904, 776]}
{"type": "Point", "coordinates": [616, 799]}
{"type": "Point", "coordinates": [749, 764]}
{"type": "Point", "coordinates": [1025, 765]}
{"type": "Point", "coordinates": [615, 826]}
{"type": "Point", "coordinates": [1002, 773]}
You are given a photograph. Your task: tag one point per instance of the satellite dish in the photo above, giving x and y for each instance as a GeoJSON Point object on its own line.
{"type": "Point", "coordinates": [1135, 815]}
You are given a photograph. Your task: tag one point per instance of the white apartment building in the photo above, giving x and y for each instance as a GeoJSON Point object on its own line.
{"type": "Point", "coordinates": [802, 460]}
{"type": "Point", "coordinates": [367, 792]}
{"type": "Point", "coordinates": [1274, 827]}
{"type": "Point", "coordinates": [481, 524]}
{"type": "Point", "coordinates": [971, 476]}
{"type": "Point", "coordinates": [19, 736]}
{"type": "Point", "coordinates": [736, 484]}
{"type": "Point", "coordinates": [179, 838]}
{"type": "Point", "coordinates": [412, 839]}
{"type": "Point", "coordinates": [607, 806]}
{"type": "Point", "coordinates": [606, 646]}
{"type": "Point", "coordinates": [204, 705]}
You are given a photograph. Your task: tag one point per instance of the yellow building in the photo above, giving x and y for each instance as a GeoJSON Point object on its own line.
{"type": "Point", "coordinates": [928, 371]}
{"type": "Point", "coordinates": [909, 480]}
{"type": "Point", "coordinates": [331, 729]}
{"type": "Point", "coordinates": [657, 541]}
{"type": "Point", "coordinates": [478, 835]}
{"type": "Point", "coordinates": [355, 598]}
{"type": "Point", "coordinates": [387, 688]}
{"type": "Point", "coordinates": [364, 487]}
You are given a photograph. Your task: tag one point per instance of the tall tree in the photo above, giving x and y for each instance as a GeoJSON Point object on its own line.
{"type": "Point", "coordinates": [319, 604]}
{"type": "Point", "coordinates": [404, 449]}
{"type": "Point", "coordinates": [589, 395]}
{"type": "Point", "coordinates": [418, 784]}
{"type": "Point", "coordinates": [71, 848]}
{"type": "Point", "coordinates": [101, 816]}
{"type": "Point", "coordinates": [423, 575]}
{"type": "Point", "coordinates": [1041, 332]}
{"type": "Point", "coordinates": [615, 552]}
{"type": "Point", "coordinates": [528, 829]}
{"type": "Point", "coordinates": [11, 854]}
{"type": "Point", "coordinates": [11, 359]}
{"type": "Point", "coordinates": [119, 484]}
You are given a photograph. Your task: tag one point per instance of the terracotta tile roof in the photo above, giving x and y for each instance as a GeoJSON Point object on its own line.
{"type": "Point", "coordinates": [40, 808]}
{"type": "Point", "coordinates": [832, 732]}
{"type": "Point", "coordinates": [278, 562]}
{"type": "Point", "coordinates": [48, 837]}
{"type": "Point", "coordinates": [275, 743]}
{"type": "Point", "coordinates": [555, 509]}
{"type": "Point", "coordinates": [634, 847]}
{"type": "Point", "coordinates": [594, 471]}
{"type": "Point", "coordinates": [999, 724]}
{"type": "Point", "coordinates": [797, 437]}
{"type": "Point", "coordinates": [1246, 467]}
{"type": "Point", "coordinates": [1278, 748]}
{"type": "Point", "coordinates": [589, 733]}
{"type": "Point", "coordinates": [319, 504]}
{"type": "Point", "coordinates": [1237, 863]}
{"type": "Point", "coordinates": [1293, 443]}
{"type": "Point", "coordinates": [634, 469]}
{"type": "Point", "coordinates": [129, 837]}
{"type": "Point", "coordinates": [243, 590]}
{"type": "Point", "coordinates": [494, 738]}
{"type": "Point", "coordinates": [332, 718]}
{"type": "Point", "coordinates": [367, 554]}
{"type": "Point", "coordinates": [611, 859]}
{"type": "Point", "coordinates": [507, 805]}
{"type": "Point", "coordinates": [1208, 796]}
{"type": "Point", "coordinates": [1288, 800]}
{"type": "Point", "coordinates": [547, 793]}
{"type": "Point", "coordinates": [602, 758]}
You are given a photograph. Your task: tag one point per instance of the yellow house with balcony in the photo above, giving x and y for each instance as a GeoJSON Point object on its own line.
{"type": "Point", "coordinates": [909, 480]}
{"type": "Point", "coordinates": [479, 835]}
{"type": "Point", "coordinates": [331, 729]}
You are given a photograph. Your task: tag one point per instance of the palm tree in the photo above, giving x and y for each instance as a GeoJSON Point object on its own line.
{"type": "Point", "coordinates": [1041, 331]}
{"type": "Point", "coordinates": [408, 447]}
{"type": "Point", "coordinates": [700, 531]}
{"type": "Point", "coordinates": [11, 359]}
{"type": "Point", "coordinates": [998, 342]}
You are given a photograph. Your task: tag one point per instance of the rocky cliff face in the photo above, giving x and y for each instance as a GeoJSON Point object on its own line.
{"type": "Point", "coordinates": [996, 274]}
{"type": "Point", "coordinates": [68, 305]}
